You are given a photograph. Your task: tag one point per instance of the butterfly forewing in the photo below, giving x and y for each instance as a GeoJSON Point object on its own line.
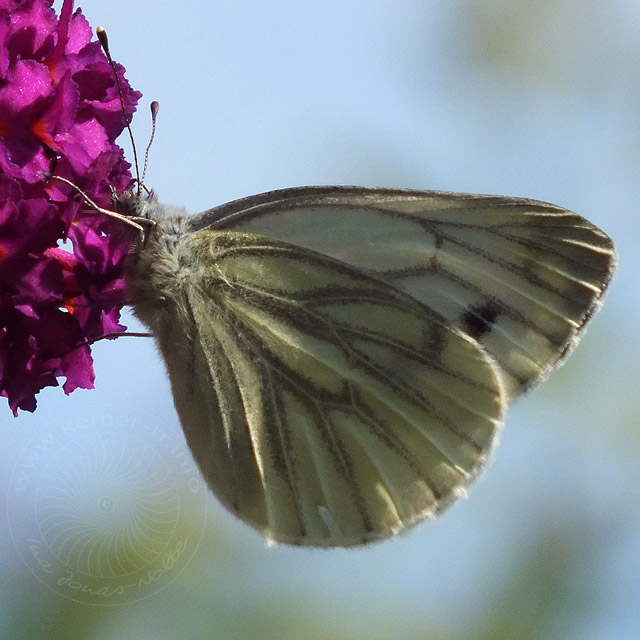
{"type": "Point", "coordinates": [323, 406]}
{"type": "Point", "coordinates": [520, 276]}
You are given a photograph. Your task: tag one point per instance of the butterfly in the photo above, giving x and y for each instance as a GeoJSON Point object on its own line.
{"type": "Point", "coordinates": [341, 358]}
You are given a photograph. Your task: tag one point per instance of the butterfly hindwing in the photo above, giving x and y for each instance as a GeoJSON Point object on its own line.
{"type": "Point", "coordinates": [324, 406]}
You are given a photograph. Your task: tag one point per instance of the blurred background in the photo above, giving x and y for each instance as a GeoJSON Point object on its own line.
{"type": "Point", "coordinates": [108, 531]}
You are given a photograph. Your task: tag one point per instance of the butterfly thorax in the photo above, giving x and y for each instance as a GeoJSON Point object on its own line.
{"type": "Point", "coordinates": [156, 268]}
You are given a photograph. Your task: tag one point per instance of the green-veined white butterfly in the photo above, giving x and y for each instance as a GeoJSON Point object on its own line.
{"type": "Point", "coordinates": [341, 358]}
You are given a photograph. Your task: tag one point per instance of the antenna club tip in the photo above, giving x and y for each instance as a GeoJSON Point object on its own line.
{"type": "Point", "coordinates": [101, 34]}
{"type": "Point", "coordinates": [155, 107]}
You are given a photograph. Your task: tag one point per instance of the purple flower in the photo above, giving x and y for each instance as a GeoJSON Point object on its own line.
{"type": "Point", "coordinates": [60, 114]}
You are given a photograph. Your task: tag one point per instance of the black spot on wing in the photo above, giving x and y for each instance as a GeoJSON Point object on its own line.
{"type": "Point", "coordinates": [479, 319]}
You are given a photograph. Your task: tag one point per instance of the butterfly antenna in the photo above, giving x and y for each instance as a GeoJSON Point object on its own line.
{"type": "Point", "coordinates": [155, 106]}
{"type": "Point", "coordinates": [104, 43]}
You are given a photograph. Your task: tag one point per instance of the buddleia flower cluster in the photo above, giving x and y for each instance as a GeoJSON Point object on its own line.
{"type": "Point", "coordinates": [61, 264]}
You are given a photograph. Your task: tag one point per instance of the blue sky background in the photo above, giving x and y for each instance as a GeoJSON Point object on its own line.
{"type": "Point", "coordinates": [538, 99]}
